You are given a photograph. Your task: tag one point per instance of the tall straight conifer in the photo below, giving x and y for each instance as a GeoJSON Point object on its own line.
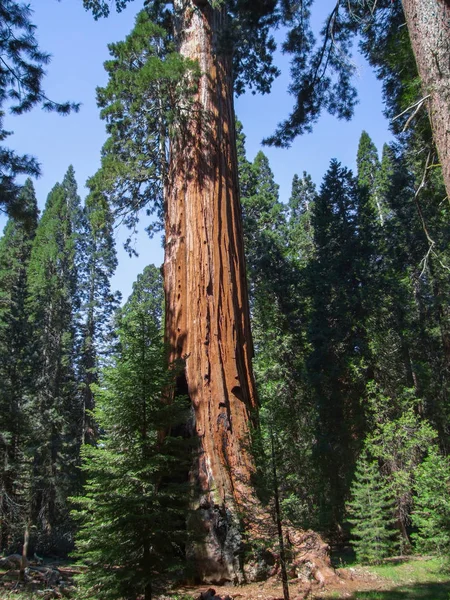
{"type": "Point", "coordinates": [15, 354]}
{"type": "Point", "coordinates": [207, 309]}
{"type": "Point", "coordinates": [277, 318]}
{"type": "Point", "coordinates": [301, 205]}
{"type": "Point", "coordinates": [52, 305]}
{"type": "Point", "coordinates": [337, 362]}
{"type": "Point", "coordinates": [98, 263]}
{"type": "Point", "coordinates": [371, 513]}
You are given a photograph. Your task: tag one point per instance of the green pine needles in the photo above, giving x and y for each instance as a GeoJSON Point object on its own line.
{"type": "Point", "coordinates": [371, 513]}
{"type": "Point", "coordinates": [132, 515]}
{"type": "Point", "coordinates": [148, 96]}
{"type": "Point", "coordinates": [431, 512]}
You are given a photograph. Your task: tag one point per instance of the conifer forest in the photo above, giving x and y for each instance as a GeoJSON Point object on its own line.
{"type": "Point", "coordinates": [277, 393]}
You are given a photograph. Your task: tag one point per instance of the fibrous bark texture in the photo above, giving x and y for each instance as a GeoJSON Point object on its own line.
{"type": "Point", "coordinates": [207, 315]}
{"type": "Point", "coordinates": [429, 29]}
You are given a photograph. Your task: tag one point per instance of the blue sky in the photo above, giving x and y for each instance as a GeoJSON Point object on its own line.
{"type": "Point", "coordinates": [78, 45]}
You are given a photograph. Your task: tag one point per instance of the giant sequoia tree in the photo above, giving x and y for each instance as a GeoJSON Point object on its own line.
{"type": "Point", "coordinates": [189, 159]}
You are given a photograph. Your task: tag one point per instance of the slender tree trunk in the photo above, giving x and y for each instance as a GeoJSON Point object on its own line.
{"type": "Point", "coordinates": [24, 559]}
{"type": "Point", "coordinates": [429, 29]}
{"type": "Point", "coordinates": [146, 566]}
{"type": "Point", "coordinates": [207, 314]}
{"type": "Point", "coordinates": [284, 577]}
{"type": "Point", "coordinates": [89, 428]}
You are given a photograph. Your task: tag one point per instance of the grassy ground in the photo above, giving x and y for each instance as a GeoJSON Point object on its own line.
{"type": "Point", "coordinates": [412, 579]}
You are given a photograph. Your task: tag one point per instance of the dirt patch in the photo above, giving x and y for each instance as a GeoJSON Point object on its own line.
{"type": "Point", "coordinates": [49, 580]}
{"type": "Point", "coordinates": [350, 581]}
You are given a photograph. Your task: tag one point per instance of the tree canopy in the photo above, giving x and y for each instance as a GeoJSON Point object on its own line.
{"type": "Point", "coordinates": [22, 69]}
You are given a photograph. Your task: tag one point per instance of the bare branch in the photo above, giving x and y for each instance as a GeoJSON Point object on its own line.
{"type": "Point", "coordinates": [418, 103]}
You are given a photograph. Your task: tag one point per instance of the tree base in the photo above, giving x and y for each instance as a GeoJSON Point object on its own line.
{"type": "Point", "coordinates": [221, 556]}
{"type": "Point", "coordinates": [217, 552]}
{"type": "Point", "coordinates": [308, 559]}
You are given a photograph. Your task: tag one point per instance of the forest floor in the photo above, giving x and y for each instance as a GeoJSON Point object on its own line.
{"type": "Point", "coordinates": [412, 578]}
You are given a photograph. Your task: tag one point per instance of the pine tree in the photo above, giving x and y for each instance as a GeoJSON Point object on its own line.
{"type": "Point", "coordinates": [431, 512]}
{"type": "Point", "coordinates": [371, 512]}
{"type": "Point", "coordinates": [15, 347]}
{"type": "Point", "coordinates": [277, 318]}
{"type": "Point", "coordinates": [301, 206]}
{"type": "Point", "coordinates": [339, 350]}
{"type": "Point", "coordinates": [133, 512]}
{"type": "Point", "coordinates": [399, 438]}
{"type": "Point", "coordinates": [97, 301]}
{"type": "Point", "coordinates": [264, 231]}
{"type": "Point", "coordinates": [409, 314]}
{"type": "Point", "coordinates": [52, 305]}
{"type": "Point", "coordinates": [368, 169]}
{"type": "Point", "coordinates": [389, 299]}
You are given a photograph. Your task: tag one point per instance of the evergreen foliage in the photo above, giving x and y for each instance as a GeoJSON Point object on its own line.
{"type": "Point", "coordinates": [277, 314]}
{"type": "Point", "coordinates": [399, 441]}
{"type": "Point", "coordinates": [132, 515]}
{"type": "Point", "coordinates": [348, 292]}
{"type": "Point", "coordinates": [147, 96]}
{"type": "Point", "coordinates": [21, 72]}
{"type": "Point", "coordinates": [371, 511]}
{"type": "Point", "coordinates": [348, 336]}
{"type": "Point", "coordinates": [321, 72]}
{"type": "Point", "coordinates": [97, 301]}
{"type": "Point", "coordinates": [52, 305]}
{"type": "Point", "coordinates": [301, 207]}
{"type": "Point", "coordinates": [431, 512]}
{"type": "Point", "coordinates": [15, 354]}
{"type": "Point", "coordinates": [338, 359]}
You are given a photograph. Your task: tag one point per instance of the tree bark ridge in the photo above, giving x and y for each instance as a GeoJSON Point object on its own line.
{"type": "Point", "coordinates": [429, 30]}
{"type": "Point", "coordinates": [207, 314]}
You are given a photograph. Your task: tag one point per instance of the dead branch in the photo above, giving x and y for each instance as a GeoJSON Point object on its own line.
{"type": "Point", "coordinates": [417, 104]}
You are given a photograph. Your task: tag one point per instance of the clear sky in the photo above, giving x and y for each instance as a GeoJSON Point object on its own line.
{"type": "Point", "coordinates": [78, 45]}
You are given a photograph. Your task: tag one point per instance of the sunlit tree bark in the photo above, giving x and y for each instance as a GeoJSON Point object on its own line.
{"type": "Point", "coordinates": [429, 29]}
{"type": "Point", "coordinates": [207, 316]}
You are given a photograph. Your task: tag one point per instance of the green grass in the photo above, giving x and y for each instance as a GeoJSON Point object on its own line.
{"type": "Point", "coordinates": [409, 579]}
{"type": "Point", "coordinates": [414, 570]}
{"type": "Point", "coordinates": [418, 591]}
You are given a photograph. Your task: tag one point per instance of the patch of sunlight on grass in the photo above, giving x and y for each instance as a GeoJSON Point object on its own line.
{"type": "Point", "coordinates": [415, 578]}
{"type": "Point", "coordinates": [411, 570]}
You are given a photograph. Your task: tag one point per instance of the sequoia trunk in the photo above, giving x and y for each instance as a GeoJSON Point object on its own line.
{"type": "Point", "coordinates": [207, 314]}
{"type": "Point", "coordinates": [429, 29]}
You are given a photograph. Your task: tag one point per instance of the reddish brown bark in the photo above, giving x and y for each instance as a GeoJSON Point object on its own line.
{"type": "Point", "coordinates": [207, 315]}
{"type": "Point", "coordinates": [429, 29]}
